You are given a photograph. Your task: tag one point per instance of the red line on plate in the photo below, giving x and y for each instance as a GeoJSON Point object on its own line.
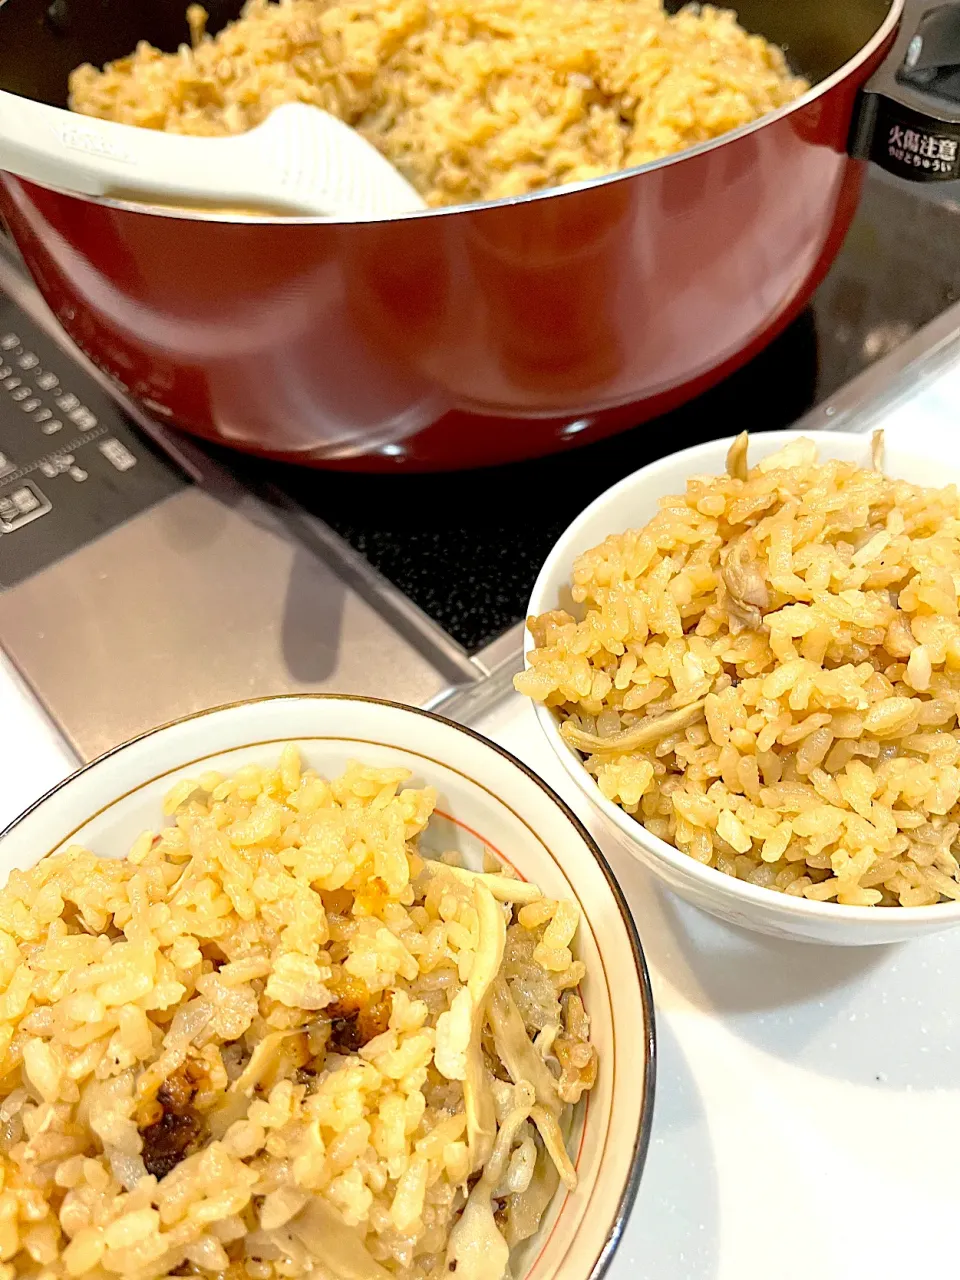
{"type": "Point", "coordinates": [483, 840]}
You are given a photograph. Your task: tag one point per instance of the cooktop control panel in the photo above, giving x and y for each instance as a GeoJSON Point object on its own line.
{"type": "Point", "coordinates": [72, 466]}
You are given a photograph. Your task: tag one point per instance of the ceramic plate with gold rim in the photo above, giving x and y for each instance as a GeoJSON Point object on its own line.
{"type": "Point", "coordinates": [487, 801]}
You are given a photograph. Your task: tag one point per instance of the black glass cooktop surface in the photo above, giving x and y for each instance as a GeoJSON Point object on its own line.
{"type": "Point", "coordinates": [466, 547]}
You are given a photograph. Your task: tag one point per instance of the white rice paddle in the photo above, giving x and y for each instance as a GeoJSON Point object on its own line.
{"type": "Point", "coordinates": [300, 161]}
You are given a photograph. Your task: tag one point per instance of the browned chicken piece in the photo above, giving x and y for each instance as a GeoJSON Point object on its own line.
{"type": "Point", "coordinates": [354, 1023]}
{"type": "Point", "coordinates": [175, 1132]}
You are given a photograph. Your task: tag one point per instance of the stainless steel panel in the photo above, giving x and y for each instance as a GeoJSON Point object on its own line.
{"type": "Point", "coordinates": [198, 602]}
{"type": "Point", "coordinates": [895, 378]}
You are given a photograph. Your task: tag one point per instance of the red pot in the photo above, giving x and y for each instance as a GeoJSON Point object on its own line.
{"type": "Point", "coordinates": [481, 334]}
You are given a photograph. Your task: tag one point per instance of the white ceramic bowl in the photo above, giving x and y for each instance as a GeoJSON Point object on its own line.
{"type": "Point", "coordinates": [487, 798]}
{"type": "Point", "coordinates": [630, 504]}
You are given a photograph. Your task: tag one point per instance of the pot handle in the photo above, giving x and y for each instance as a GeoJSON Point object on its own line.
{"type": "Point", "coordinates": [908, 118]}
{"type": "Point", "coordinates": [299, 161]}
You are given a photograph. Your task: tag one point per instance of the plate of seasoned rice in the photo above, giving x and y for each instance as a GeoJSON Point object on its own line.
{"type": "Point", "coordinates": [747, 657]}
{"type": "Point", "coordinates": [315, 986]}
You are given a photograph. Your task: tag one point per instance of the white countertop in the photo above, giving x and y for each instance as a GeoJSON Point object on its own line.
{"type": "Point", "coordinates": [808, 1100]}
{"type": "Point", "coordinates": [33, 755]}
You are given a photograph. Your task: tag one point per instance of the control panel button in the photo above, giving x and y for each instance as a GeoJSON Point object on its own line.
{"type": "Point", "coordinates": [22, 506]}
{"type": "Point", "coordinates": [117, 453]}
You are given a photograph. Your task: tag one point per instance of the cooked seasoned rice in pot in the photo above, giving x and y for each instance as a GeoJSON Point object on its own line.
{"type": "Point", "coordinates": [277, 1041]}
{"type": "Point", "coordinates": [472, 101]}
{"type": "Point", "coordinates": [767, 676]}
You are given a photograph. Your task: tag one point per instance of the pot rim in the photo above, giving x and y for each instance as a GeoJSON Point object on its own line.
{"type": "Point", "coordinates": [186, 214]}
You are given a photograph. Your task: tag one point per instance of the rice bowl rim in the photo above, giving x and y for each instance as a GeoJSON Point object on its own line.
{"type": "Point", "coordinates": [884, 31]}
{"type": "Point", "coordinates": [641, 1141]}
{"type": "Point", "coordinates": [646, 480]}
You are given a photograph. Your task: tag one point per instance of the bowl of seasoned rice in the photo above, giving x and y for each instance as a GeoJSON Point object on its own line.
{"type": "Point", "coordinates": [747, 657]}
{"type": "Point", "coordinates": [316, 986]}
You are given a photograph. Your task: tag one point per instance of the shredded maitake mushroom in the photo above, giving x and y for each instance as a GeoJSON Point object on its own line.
{"type": "Point", "coordinates": [744, 580]}
{"type": "Point", "coordinates": [737, 457]}
{"type": "Point", "coordinates": [876, 450]}
{"type": "Point", "coordinates": [477, 1098]}
{"type": "Point", "coordinates": [477, 1250]}
{"type": "Point", "coordinates": [650, 730]}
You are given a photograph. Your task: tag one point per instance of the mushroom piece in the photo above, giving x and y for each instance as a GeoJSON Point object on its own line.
{"type": "Point", "coordinates": [876, 450]}
{"type": "Point", "coordinates": [477, 1096]}
{"type": "Point", "coordinates": [549, 1129]}
{"type": "Point", "coordinates": [737, 457]}
{"type": "Point", "coordinates": [647, 733]}
{"type": "Point", "coordinates": [504, 888]}
{"type": "Point", "coordinates": [525, 1210]}
{"type": "Point", "coordinates": [516, 1050]}
{"type": "Point", "coordinates": [476, 1249]}
{"type": "Point", "coordinates": [321, 1228]}
{"type": "Point", "coordinates": [746, 588]}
